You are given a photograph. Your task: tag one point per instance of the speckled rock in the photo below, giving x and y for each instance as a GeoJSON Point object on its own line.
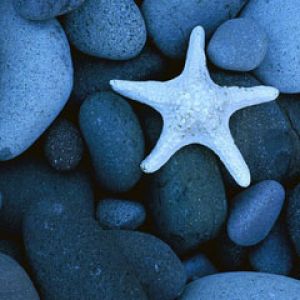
{"type": "Point", "coordinates": [254, 212]}
{"type": "Point", "coordinates": [243, 286]}
{"type": "Point", "coordinates": [15, 283]}
{"type": "Point", "coordinates": [238, 44]}
{"type": "Point", "coordinates": [198, 266]}
{"type": "Point", "coordinates": [36, 78]}
{"type": "Point", "coordinates": [170, 23]}
{"type": "Point", "coordinates": [45, 9]}
{"type": "Point", "coordinates": [188, 199]}
{"type": "Point", "coordinates": [112, 29]}
{"type": "Point", "coordinates": [120, 214]}
{"type": "Point", "coordinates": [115, 140]}
{"type": "Point", "coordinates": [93, 74]}
{"type": "Point", "coordinates": [282, 25]}
{"type": "Point", "coordinates": [156, 266]}
{"type": "Point", "coordinates": [274, 254]}
{"type": "Point", "coordinates": [63, 146]}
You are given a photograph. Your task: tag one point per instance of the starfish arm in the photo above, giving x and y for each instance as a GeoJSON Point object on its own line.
{"type": "Point", "coordinates": [240, 97]}
{"type": "Point", "coordinates": [151, 93]}
{"type": "Point", "coordinates": [223, 145]}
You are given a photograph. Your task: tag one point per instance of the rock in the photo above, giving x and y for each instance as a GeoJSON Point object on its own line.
{"type": "Point", "coordinates": [254, 212]}
{"type": "Point", "coordinates": [156, 266]}
{"type": "Point", "coordinates": [120, 214]}
{"type": "Point", "coordinates": [72, 258]}
{"type": "Point", "coordinates": [45, 9]}
{"type": "Point", "coordinates": [93, 74]}
{"type": "Point", "coordinates": [282, 25]}
{"type": "Point", "coordinates": [15, 283]}
{"type": "Point", "coordinates": [12, 249]}
{"type": "Point", "coordinates": [274, 255]}
{"type": "Point", "coordinates": [25, 181]}
{"type": "Point", "coordinates": [188, 199]}
{"type": "Point", "coordinates": [36, 78]}
{"type": "Point", "coordinates": [238, 45]}
{"type": "Point", "coordinates": [198, 266]}
{"type": "Point", "coordinates": [63, 146]}
{"type": "Point", "coordinates": [169, 23]}
{"type": "Point", "coordinates": [242, 286]}
{"type": "Point", "coordinates": [262, 133]}
{"type": "Point", "coordinates": [115, 140]}
{"type": "Point", "coordinates": [112, 29]}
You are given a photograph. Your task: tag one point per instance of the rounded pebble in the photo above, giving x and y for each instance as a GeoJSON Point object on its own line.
{"type": "Point", "coordinates": [115, 140]}
{"type": "Point", "coordinates": [36, 78]}
{"type": "Point", "coordinates": [63, 146]}
{"type": "Point", "coordinates": [188, 203]}
{"type": "Point", "coordinates": [254, 212]}
{"type": "Point", "coordinates": [45, 9]}
{"type": "Point", "coordinates": [120, 214]}
{"type": "Point", "coordinates": [242, 286]}
{"type": "Point", "coordinates": [112, 29]}
{"type": "Point", "coordinates": [238, 45]}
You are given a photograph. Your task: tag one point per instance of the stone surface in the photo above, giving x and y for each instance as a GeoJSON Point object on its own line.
{"type": "Point", "coordinates": [112, 29]}
{"type": "Point", "coordinates": [282, 25]}
{"type": "Point", "coordinates": [63, 146]}
{"type": "Point", "coordinates": [45, 9]}
{"type": "Point", "coordinates": [243, 286]}
{"type": "Point", "coordinates": [115, 140]}
{"type": "Point", "coordinates": [238, 45]}
{"type": "Point", "coordinates": [254, 212]}
{"type": "Point", "coordinates": [188, 201]}
{"type": "Point", "coordinates": [170, 23]}
{"type": "Point", "coordinates": [120, 214]}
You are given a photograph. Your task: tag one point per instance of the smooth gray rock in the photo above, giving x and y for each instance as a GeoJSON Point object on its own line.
{"type": "Point", "coordinates": [36, 78]}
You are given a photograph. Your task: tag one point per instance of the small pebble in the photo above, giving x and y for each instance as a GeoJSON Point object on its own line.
{"type": "Point", "coordinates": [254, 212]}
{"type": "Point", "coordinates": [238, 45]}
{"type": "Point", "coordinates": [120, 214]}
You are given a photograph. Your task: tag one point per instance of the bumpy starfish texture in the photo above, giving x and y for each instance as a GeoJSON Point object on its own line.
{"type": "Point", "coordinates": [195, 110]}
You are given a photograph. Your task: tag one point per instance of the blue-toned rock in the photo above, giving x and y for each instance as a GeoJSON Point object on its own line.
{"type": "Point", "coordinates": [274, 254]}
{"type": "Point", "coordinates": [254, 212]}
{"type": "Point", "coordinates": [112, 29]}
{"type": "Point", "coordinates": [45, 9]}
{"type": "Point", "coordinates": [170, 23]}
{"type": "Point", "coordinates": [120, 214]}
{"type": "Point", "coordinates": [242, 286]}
{"type": "Point", "coordinates": [188, 201]}
{"type": "Point", "coordinates": [282, 25]}
{"type": "Point", "coordinates": [63, 146]}
{"type": "Point", "coordinates": [93, 74]}
{"type": "Point", "coordinates": [198, 266]}
{"type": "Point", "coordinates": [115, 140]}
{"type": "Point", "coordinates": [156, 266]}
{"type": "Point", "coordinates": [14, 281]}
{"type": "Point", "coordinates": [36, 78]}
{"type": "Point", "coordinates": [238, 45]}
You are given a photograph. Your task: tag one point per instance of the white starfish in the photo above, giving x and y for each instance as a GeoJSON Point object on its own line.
{"type": "Point", "coordinates": [195, 110]}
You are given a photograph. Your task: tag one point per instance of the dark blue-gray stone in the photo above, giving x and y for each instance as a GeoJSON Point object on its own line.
{"type": "Point", "coordinates": [120, 214]}
{"type": "Point", "coordinates": [36, 78]}
{"type": "Point", "coordinates": [156, 266]}
{"type": "Point", "coordinates": [273, 255]}
{"type": "Point", "coordinates": [112, 29]}
{"type": "Point", "coordinates": [45, 9]}
{"type": "Point", "coordinates": [115, 140]}
{"type": "Point", "coordinates": [243, 286]}
{"type": "Point", "coordinates": [188, 201]}
{"type": "Point", "coordinates": [63, 146]}
{"type": "Point", "coordinates": [238, 45]}
{"type": "Point", "coordinates": [170, 22]}
{"type": "Point", "coordinates": [13, 249]}
{"type": "Point", "coordinates": [14, 281]}
{"type": "Point", "coordinates": [254, 212]}
{"type": "Point", "coordinates": [281, 23]}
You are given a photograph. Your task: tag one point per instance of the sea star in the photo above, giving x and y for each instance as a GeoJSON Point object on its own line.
{"type": "Point", "coordinates": [195, 110]}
